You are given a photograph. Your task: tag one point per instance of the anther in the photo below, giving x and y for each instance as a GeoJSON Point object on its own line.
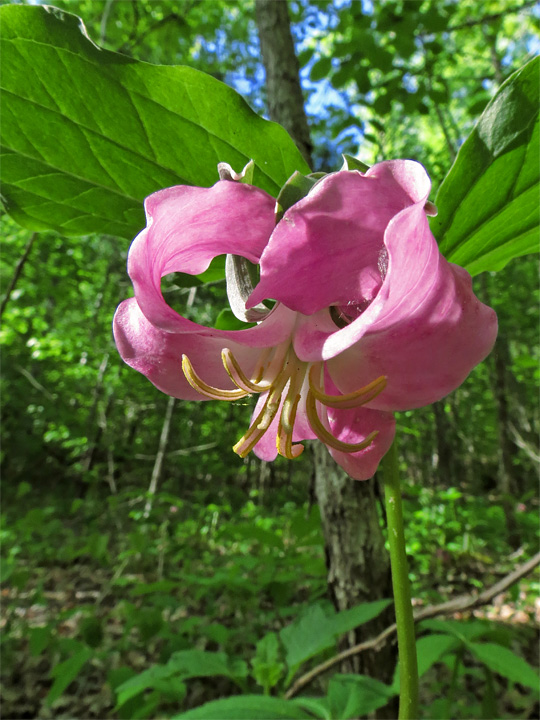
{"type": "Point", "coordinates": [326, 436]}
{"type": "Point", "coordinates": [350, 400]}
{"type": "Point", "coordinates": [208, 390]}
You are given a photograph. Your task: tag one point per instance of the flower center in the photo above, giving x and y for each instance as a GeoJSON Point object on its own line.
{"type": "Point", "coordinates": [283, 378]}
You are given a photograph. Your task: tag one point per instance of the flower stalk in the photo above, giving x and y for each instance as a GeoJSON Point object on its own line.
{"type": "Point", "coordinates": [408, 667]}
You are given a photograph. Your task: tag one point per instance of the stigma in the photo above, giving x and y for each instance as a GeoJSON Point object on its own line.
{"type": "Point", "coordinates": [284, 380]}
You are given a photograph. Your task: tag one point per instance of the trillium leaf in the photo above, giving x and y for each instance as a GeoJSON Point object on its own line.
{"type": "Point", "coordinates": [87, 134]}
{"type": "Point", "coordinates": [488, 204]}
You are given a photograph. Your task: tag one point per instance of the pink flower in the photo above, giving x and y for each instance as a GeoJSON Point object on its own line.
{"type": "Point", "coordinates": [370, 318]}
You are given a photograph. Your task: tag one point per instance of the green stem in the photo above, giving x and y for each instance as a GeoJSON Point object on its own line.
{"type": "Point", "coordinates": [408, 668]}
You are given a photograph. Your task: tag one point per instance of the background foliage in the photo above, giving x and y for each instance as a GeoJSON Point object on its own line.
{"type": "Point", "coordinates": [110, 579]}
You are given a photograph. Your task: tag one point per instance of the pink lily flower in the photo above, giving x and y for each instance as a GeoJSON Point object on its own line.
{"type": "Point", "coordinates": [369, 318]}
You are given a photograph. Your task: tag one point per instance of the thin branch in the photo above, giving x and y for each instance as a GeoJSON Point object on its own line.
{"type": "Point", "coordinates": [156, 472]}
{"type": "Point", "coordinates": [160, 455]}
{"type": "Point", "coordinates": [104, 21]}
{"type": "Point", "coordinates": [459, 604]}
{"type": "Point", "coordinates": [523, 444]}
{"type": "Point", "coordinates": [32, 380]}
{"type": "Point", "coordinates": [442, 122]}
{"type": "Point", "coordinates": [18, 270]}
{"type": "Point", "coordinates": [182, 451]}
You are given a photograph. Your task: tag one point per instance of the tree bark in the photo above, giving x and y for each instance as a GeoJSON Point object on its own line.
{"type": "Point", "coordinates": [356, 558]}
{"type": "Point", "coordinates": [507, 484]}
{"type": "Point", "coordinates": [444, 437]}
{"type": "Point", "coordinates": [285, 99]}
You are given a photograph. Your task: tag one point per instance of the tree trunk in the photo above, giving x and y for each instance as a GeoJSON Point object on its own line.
{"type": "Point", "coordinates": [285, 99]}
{"type": "Point", "coordinates": [507, 483]}
{"type": "Point", "coordinates": [444, 437]}
{"type": "Point", "coordinates": [356, 558]}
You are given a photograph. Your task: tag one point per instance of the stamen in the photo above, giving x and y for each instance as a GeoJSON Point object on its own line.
{"type": "Point", "coordinates": [263, 359]}
{"type": "Point", "coordinates": [284, 437]}
{"type": "Point", "coordinates": [275, 364]}
{"type": "Point", "coordinates": [285, 429]}
{"type": "Point", "coordinates": [350, 400]}
{"type": "Point", "coordinates": [264, 419]}
{"type": "Point", "coordinates": [237, 376]}
{"type": "Point", "coordinates": [208, 390]}
{"type": "Point", "coordinates": [277, 368]}
{"type": "Point", "coordinates": [261, 424]}
{"type": "Point", "coordinates": [326, 436]}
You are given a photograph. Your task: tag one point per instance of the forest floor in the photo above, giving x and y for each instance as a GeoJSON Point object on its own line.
{"type": "Point", "coordinates": [54, 605]}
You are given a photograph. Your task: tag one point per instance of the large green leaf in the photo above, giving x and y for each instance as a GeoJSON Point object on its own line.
{"type": "Point", "coordinates": [317, 628]}
{"type": "Point", "coordinates": [488, 204]}
{"type": "Point", "coordinates": [307, 636]}
{"type": "Point", "coordinates": [353, 617]}
{"type": "Point", "coordinates": [504, 662]}
{"type": "Point", "coordinates": [86, 134]}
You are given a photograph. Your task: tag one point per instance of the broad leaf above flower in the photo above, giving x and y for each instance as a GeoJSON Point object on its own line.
{"type": "Point", "coordinates": [369, 317]}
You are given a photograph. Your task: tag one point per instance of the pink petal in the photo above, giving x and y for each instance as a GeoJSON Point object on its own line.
{"type": "Point", "coordinates": [354, 426]}
{"type": "Point", "coordinates": [158, 354]}
{"type": "Point", "coordinates": [326, 249]}
{"type": "Point", "coordinates": [186, 228]}
{"type": "Point", "coordinates": [425, 331]}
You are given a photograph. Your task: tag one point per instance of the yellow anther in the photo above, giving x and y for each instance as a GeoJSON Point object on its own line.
{"type": "Point", "coordinates": [237, 376]}
{"type": "Point", "coordinates": [326, 436]}
{"type": "Point", "coordinates": [259, 426]}
{"type": "Point", "coordinates": [350, 400]}
{"type": "Point", "coordinates": [208, 390]}
{"type": "Point", "coordinates": [277, 368]}
{"type": "Point", "coordinates": [284, 437]}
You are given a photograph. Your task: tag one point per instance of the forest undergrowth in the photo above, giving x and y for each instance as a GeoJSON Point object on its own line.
{"type": "Point", "coordinates": [104, 590]}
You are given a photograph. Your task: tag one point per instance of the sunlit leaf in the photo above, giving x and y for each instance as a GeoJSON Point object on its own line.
{"type": "Point", "coordinates": [87, 134]}
{"type": "Point", "coordinates": [488, 204]}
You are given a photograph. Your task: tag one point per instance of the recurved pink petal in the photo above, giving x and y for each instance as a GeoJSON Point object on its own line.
{"type": "Point", "coordinates": [425, 331]}
{"type": "Point", "coordinates": [186, 228]}
{"type": "Point", "coordinates": [157, 354]}
{"type": "Point", "coordinates": [327, 248]}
